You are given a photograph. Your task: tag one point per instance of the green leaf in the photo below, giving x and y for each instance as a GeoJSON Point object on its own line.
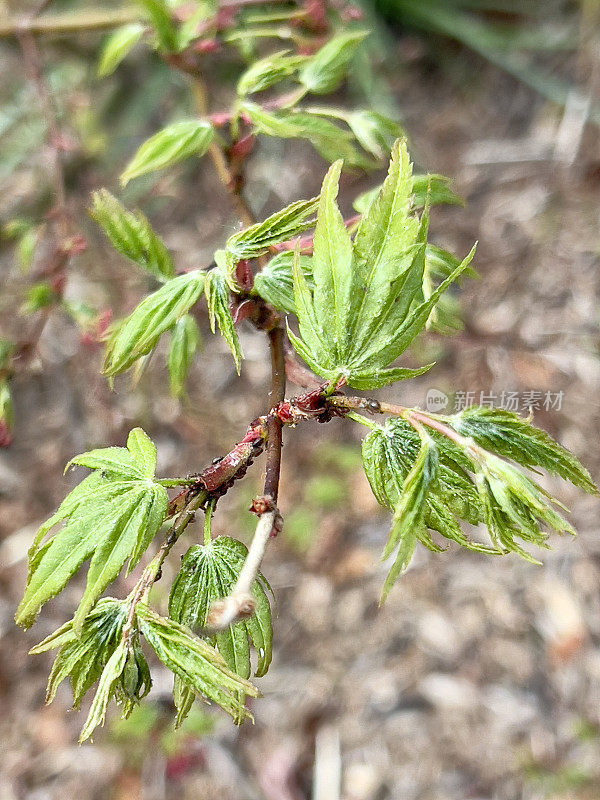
{"type": "Point", "coordinates": [515, 506]}
{"type": "Point", "coordinates": [172, 144]}
{"type": "Point", "coordinates": [6, 406]}
{"type": "Point", "coordinates": [434, 189]}
{"type": "Point", "coordinates": [268, 71]}
{"type": "Point", "coordinates": [185, 340]}
{"type": "Point", "coordinates": [143, 452]}
{"type": "Point", "coordinates": [7, 349]}
{"type": "Point", "coordinates": [275, 282]}
{"type": "Point", "coordinates": [209, 573]}
{"type": "Point", "coordinates": [217, 299]}
{"type": "Point", "coordinates": [324, 72]}
{"type": "Point", "coordinates": [192, 28]}
{"type": "Point", "coordinates": [514, 437]}
{"type": "Point", "coordinates": [389, 454]}
{"type": "Point", "coordinates": [111, 674]}
{"type": "Point", "coordinates": [117, 46]}
{"type": "Point", "coordinates": [132, 235]}
{"type": "Point", "coordinates": [279, 125]}
{"type": "Point", "coordinates": [94, 652]}
{"type": "Point", "coordinates": [471, 483]}
{"type": "Point", "coordinates": [390, 337]}
{"type": "Point", "coordinates": [383, 377]}
{"type": "Point", "coordinates": [291, 221]}
{"type": "Point", "coordinates": [334, 300]}
{"type": "Point", "coordinates": [138, 334]}
{"type": "Point", "coordinates": [358, 318]}
{"type": "Point", "coordinates": [410, 510]}
{"type": "Point", "coordinates": [159, 13]}
{"type": "Point", "coordinates": [198, 665]}
{"type": "Point", "coordinates": [387, 230]}
{"type": "Point", "coordinates": [136, 461]}
{"type": "Point", "coordinates": [39, 295]}
{"type": "Point", "coordinates": [329, 140]}
{"type": "Point", "coordinates": [83, 656]}
{"type": "Point", "coordinates": [110, 517]}
{"type": "Point", "coordinates": [375, 132]}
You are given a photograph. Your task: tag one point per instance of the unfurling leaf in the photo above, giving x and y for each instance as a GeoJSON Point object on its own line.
{"type": "Point", "coordinates": [470, 482]}
{"type": "Point", "coordinates": [325, 70]}
{"type": "Point", "coordinates": [107, 686]}
{"type": "Point", "coordinates": [329, 140]}
{"type": "Point", "coordinates": [172, 144]}
{"type": "Point", "coordinates": [117, 46]}
{"type": "Point", "coordinates": [217, 299]}
{"type": "Point", "coordinates": [275, 282]}
{"type": "Point", "coordinates": [160, 16]}
{"type": "Point", "coordinates": [82, 657]}
{"type": "Point", "coordinates": [291, 221]}
{"type": "Point", "coordinates": [409, 513]}
{"type": "Point", "coordinates": [132, 235]}
{"type": "Point", "coordinates": [427, 189]}
{"type": "Point", "coordinates": [514, 437]}
{"type": "Point", "coordinates": [197, 665]}
{"type": "Point", "coordinates": [268, 71]}
{"type": "Point", "coordinates": [208, 573]}
{"type": "Point", "coordinates": [374, 132]}
{"type": "Point", "coordinates": [110, 517]}
{"type": "Point", "coordinates": [138, 334]}
{"type": "Point", "coordinates": [185, 340]}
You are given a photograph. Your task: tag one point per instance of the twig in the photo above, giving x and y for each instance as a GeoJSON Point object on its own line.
{"type": "Point", "coordinates": [240, 602]}
{"type": "Point", "coordinates": [63, 246]}
{"type": "Point", "coordinates": [59, 24]}
{"type": "Point", "coordinates": [411, 415]}
{"type": "Point", "coordinates": [152, 571]}
{"type": "Point", "coordinates": [274, 424]}
{"type": "Point", "coordinates": [33, 67]}
{"type": "Point", "coordinates": [95, 20]}
{"type": "Point", "coordinates": [215, 151]}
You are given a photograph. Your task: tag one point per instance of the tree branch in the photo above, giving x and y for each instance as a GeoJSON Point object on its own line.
{"type": "Point", "coordinates": [60, 24]}
{"type": "Point", "coordinates": [152, 571]}
{"type": "Point", "coordinates": [411, 415]}
{"type": "Point", "coordinates": [274, 424]}
{"type": "Point", "coordinates": [240, 602]}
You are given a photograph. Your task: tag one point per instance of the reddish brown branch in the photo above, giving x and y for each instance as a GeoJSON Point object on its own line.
{"type": "Point", "coordinates": [274, 424]}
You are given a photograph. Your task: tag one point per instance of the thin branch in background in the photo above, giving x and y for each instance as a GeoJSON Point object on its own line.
{"type": "Point", "coordinates": [216, 153]}
{"type": "Point", "coordinates": [64, 245]}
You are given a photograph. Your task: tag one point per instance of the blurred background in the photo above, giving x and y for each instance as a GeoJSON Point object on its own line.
{"type": "Point", "coordinates": [480, 678]}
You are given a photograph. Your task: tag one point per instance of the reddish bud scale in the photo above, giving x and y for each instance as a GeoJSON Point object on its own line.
{"type": "Point", "coordinates": [74, 245]}
{"type": "Point", "coordinates": [220, 118]}
{"type": "Point", "coordinates": [242, 148]}
{"type": "Point", "coordinates": [242, 311]}
{"type": "Point", "coordinates": [5, 436]}
{"type": "Point", "coordinates": [316, 14]}
{"type": "Point", "coordinates": [243, 275]}
{"type": "Point", "coordinates": [277, 526]}
{"type": "Point", "coordinates": [207, 46]}
{"type": "Point", "coordinates": [262, 504]}
{"type": "Point", "coordinates": [58, 283]}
